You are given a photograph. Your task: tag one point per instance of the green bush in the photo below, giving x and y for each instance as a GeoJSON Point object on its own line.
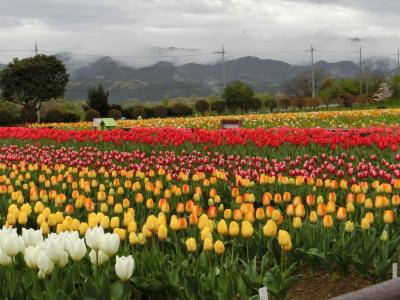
{"type": "Point", "coordinates": [91, 114]}
{"type": "Point", "coordinates": [160, 111]}
{"type": "Point", "coordinates": [181, 109]}
{"type": "Point", "coordinates": [114, 113]}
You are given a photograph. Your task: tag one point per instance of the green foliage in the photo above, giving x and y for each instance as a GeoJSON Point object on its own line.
{"type": "Point", "coordinates": [31, 81]}
{"type": "Point", "coordinates": [98, 99]}
{"type": "Point", "coordinates": [114, 113]}
{"type": "Point", "coordinates": [201, 106]}
{"type": "Point", "coordinates": [395, 85]}
{"type": "Point", "coordinates": [92, 114]}
{"type": "Point", "coordinates": [218, 106]}
{"type": "Point", "coordinates": [238, 95]}
{"type": "Point", "coordinates": [9, 113]}
{"type": "Point", "coordinates": [331, 89]}
{"type": "Point", "coordinates": [138, 112]}
{"type": "Point", "coordinates": [180, 109]}
{"type": "Point", "coordinates": [160, 111]}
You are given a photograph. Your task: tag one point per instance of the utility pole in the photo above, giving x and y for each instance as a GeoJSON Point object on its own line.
{"type": "Point", "coordinates": [312, 71]}
{"type": "Point", "coordinates": [222, 52]}
{"type": "Point", "coordinates": [38, 104]}
{"type": "Point", "coordinates": [398, 60]}
{"type": "Point", "coordinates": [361, 89]}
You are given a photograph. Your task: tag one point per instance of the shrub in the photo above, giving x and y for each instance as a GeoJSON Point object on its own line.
{"type": "Point", "coordinates": [7, 117]}
{"type": "Point", "coordinates": [114, 113]}
{"type": "Point", "coordinates": [54, 116]}
{"type": "Point", "coordinates": [160, 111]}
{"type": "Point", "coordinates": [138, 112]}
{"type": "Point", "coordinates": [218, 106]}
{"type": "Point", "coordinates": [201, 106]}
{"type": "Point", "coordinates": [181, 109]}
{"type": "Point", "coordinates": [149, 112]}
{"type": "Point", "coordinates": [70, 117]}
{"type": "Point", "coordinates": [91, 114]}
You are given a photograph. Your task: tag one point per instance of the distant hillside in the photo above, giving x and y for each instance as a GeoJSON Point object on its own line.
{"type": "Point", "coordinates": [166, 79]}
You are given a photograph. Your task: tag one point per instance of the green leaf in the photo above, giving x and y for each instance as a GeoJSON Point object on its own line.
{"type": "Point", "coordinates": [117, 290]}
{"type": "Point", "coordinates": [242, 289]}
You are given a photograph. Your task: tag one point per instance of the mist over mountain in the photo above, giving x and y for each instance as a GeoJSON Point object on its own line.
{"type": "Point", "coordinates": [154, 82]}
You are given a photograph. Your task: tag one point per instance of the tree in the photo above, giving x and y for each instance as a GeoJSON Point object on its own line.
{"type": "Point", "coordinates": [138, 112]}
{"type": "Point", "coordinates": [346, 100]}
{"type": "Point", "coordinates": [299, 102]}
{"type": "Point", "coordinates": [238, 95]}
{"type": "Point", "coordinates": [201, 106]}
{"type": "Point", "coordinates": [160, 111]}
{"type": "Point", "coordinates": [271, 104]}
{"type": "Point", "coordinates": [384, 92]}
{"type": "Point", "coordinates": [256, 103]}
{"type": "Point", "coordinates": [301, 85]}
{"type": "Point", "coordinates": [92, 114]}
{"type": "Point", "coordinates": [218, 106]}
{"type": "Point", "coordinates": [31, 81]}
{"type": "Point", "coordinates": [285, 102]}
{"type": "Point", "coordinates": [395, 85]}
{"type": "Point", "coordinates": [98, 99]}
{"type": "Point", "coordinates": [114, 113]}
{"type": "Point", "coordinates": [331, 89]}
{"type": "Point", "coordinates": [181, 109]}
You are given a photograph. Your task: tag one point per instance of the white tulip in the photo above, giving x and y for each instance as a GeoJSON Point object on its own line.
{"type": "Point", "coordinates": [99, 259]}
{"type": "Point", "coordinates": [30, 256]}
{"type": "Point", "coordinates": [5, 260]}
{"type": "Point", "coordinates": [54, 248]}
{"type": "Point", "coordinates": [11, 244]}
{"type": "Point", "coordinates": [63, 260]}
{"type": "Point", "coordinates": [44, 263]}
{"type": "Point", "coordinates": [110, 244]}
{"type": "Point", "coordinates": [124, 267]}
{"type": "Point", "coordinates": [32, 237]}
{"type": "Point", "coordinates": [77, 249]}
{"type": "Point", "coordinates": [94, 237]}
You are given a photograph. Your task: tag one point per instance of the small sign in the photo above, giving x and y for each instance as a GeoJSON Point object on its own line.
{"type": "Point", "coordinates": [97, 122]}
{"type": "Point", "coordinates": [263, 293]}
{"type": "Point", "coordinates": [394, 270]}
{"type": "Point", "coordinates": [230, 124]}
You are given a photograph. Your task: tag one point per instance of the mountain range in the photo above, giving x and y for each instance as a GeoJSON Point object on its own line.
{"type": "Point", "coordinates": [163, 79]}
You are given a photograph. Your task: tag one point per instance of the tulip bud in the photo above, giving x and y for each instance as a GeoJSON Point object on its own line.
{"type": "Point", "coordinates": [349, 226]}
{"type": "Point", "coordinates": [219, 247]}
{"type": "Point", "coordinates": [313, 217]}
{"type": "Point", "coordinates": [247, 229]}
{"type": "Point", "coordinates": [222, 227]}
{"type": "Point", "coordinates": [208, 243]}
{"type": "Point", "coordinates": [296, 222]}
{"type": "Point", "coordinates": [162, 232]}
{"type": "Point", "coordinates": [191, 245]}
{"type": "Point", "coordinates": [233, 229]}
{"type": "Point", "coordinates": [384, 236]}
{"type": "Point", "coordinates": [124, 267]}
{"type": "Point", "coordinates": [284, 240]}
{"type": "Point", "coordinates": [327, 221]}
{"type": "Point", "coordinates": [98, 258]}
{"type": "Point", "coordinates": [365, 224]}
{"type": "Point", "coordinates": [270, 229]}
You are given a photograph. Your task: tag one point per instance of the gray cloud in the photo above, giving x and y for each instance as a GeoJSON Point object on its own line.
{"type": "Point", "coordinates": [130, 28]}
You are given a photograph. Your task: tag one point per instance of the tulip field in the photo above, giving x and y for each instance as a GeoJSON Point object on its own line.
{"type": "Point", "coordinates": [159, 212]}
{"type": "Point", "coordinates": [322, 119]}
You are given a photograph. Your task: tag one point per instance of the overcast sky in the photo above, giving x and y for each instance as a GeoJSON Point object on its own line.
{"type": "Point", "coordinates": [125, 28]}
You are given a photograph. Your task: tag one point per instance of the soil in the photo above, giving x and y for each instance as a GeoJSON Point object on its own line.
{"type": "Point", "coordinates": [320, 285]}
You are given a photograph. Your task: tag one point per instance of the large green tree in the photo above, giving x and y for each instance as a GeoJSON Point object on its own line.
{"type": "Point", "coordinates": [98, 99]}
{"type": "Point", "coordinates": [238, 95]}
{"type": "Point", "coordinates": [31, 81]}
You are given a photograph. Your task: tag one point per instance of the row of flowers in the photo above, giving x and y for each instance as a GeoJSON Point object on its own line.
{"type": "Point", "coordinates": [328, 119]}
{"type": "Point", "coordinates": [380, 137]}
